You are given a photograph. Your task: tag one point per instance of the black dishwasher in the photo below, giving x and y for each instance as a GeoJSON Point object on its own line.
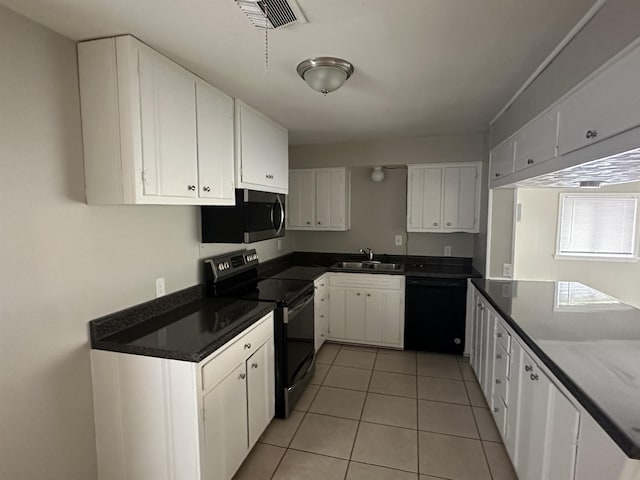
{"type": "Point", "coordinates": [435, 311]}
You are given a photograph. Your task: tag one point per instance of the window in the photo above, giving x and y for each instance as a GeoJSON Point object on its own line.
{"type": "Point", "coordinates": [597, 226]}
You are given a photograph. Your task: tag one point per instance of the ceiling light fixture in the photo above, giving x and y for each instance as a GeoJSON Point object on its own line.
{"type": "Point", "coordinates": [325, 74]}
{"type": "Point", "coordinates": [377, 175]}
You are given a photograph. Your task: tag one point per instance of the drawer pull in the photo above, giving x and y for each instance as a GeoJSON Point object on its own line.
{"type": "Point", "coordinates": [242, 376]}
{"type": "Point", "coordinates": [497, 175]}
{"type": "Point", "coordinates": [206, 189]}
{"type": "Point", "coordinates": [591, 134]}
{"type": "Point", "coordinates": [254, 365]}
{"type": "Point", "coordinates": [247, 346]}
{"type": "Point", "coordinates": [496, 409]}
{"type": "Point", "coordinates": [498, 382]}
{"type": "Point", "coordinates": [534, 377]}
{"type": "Point", "coordinates": [435, 224]}
{"type": "Point", "coordinates": [528, 368]}
{"type": "Point", "coordinates": [499, 356]}
{"type": "Point", "coordinates": [530, 161]}
{"type": "Point", "coordinates": [499, 335]}
{"type": "Point", "coordinates": [191, 188]}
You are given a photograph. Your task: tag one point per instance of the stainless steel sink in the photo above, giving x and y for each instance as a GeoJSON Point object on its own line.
{"type": "Point", "coordinates": [369, 265]}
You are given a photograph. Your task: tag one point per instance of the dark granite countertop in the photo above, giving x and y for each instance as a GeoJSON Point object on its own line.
{"type": "Point", "coordinates": [298, 264]}
{"type": "Point", "coordinates": [181, 326]}
{"type": "Point", "coordinates": [588, 340]}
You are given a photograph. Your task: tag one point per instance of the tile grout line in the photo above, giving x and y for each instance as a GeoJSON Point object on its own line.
{"type": "Point", "coordinates": [417, 421]}
{"type": "Point", "coordinates": [475, 420]}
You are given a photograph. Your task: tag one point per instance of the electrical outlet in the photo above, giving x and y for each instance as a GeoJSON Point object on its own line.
{"type": "Point", "coordinates": [447, 251]}
{"type": "Point", "coordinates": [160, 290]}
{"type": "Point", "coordinates": [507, 270]}
{"type": "Point", "coordinates": [398, 240]}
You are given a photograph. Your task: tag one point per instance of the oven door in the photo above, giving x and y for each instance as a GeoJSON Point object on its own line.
{"type": "Point", "coordinates": [299, 339]}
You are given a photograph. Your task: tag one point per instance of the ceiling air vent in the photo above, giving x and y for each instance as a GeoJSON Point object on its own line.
{"type": "Point", "coordinates": [280, 13]}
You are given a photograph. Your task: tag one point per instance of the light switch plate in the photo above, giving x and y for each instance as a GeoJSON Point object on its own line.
{"type": "Point", "coordinates": [398, 240]}
{"type": "Point", "coordinates": [507, 270]}
{"type": "Point", "coordinates": [447, 251]}
{"type": "Point", "coordinates": [160, 290]}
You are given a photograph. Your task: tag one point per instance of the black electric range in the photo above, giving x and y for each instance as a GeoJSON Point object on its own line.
{"type": "Point", "coordinates": [235, 275]}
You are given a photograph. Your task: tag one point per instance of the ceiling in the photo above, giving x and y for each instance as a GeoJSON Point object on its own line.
{"type": "Point", "coordinates": [422, 67]}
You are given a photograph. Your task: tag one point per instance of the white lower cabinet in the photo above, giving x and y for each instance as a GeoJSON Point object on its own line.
{"type": "Point", "coordinates": [547, 434]}
{"type": "Point", "coordinates": [162, 419]}
{"type": "Point", "coordinates": [366, 308]}
{"type": "Point", "coordinates": [321, 311]}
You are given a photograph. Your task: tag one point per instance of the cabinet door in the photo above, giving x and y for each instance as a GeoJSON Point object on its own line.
{"type": "Point", "coordinates": [215, 144]}
{"type": "Point", "coordinates": [537, 142]}
{"type": "Point", "coordinates": [168, 114]}
{"type": "Point", "coordinates": [425, 199]}
{"type": "Point", "coordinates": [561, 437]}
{"type": "Point", "coordinates": [301, 200]}
{"type": "Point", "coordinates": [488, 345]}
{"type": "Point", "coordinates": [607, 105]}
{"type": "Point", "coordinates": [502, 160]}
{"type": "Point", "coordinates": [226, 440]}
{"type": "Point", "coordinates": [260, 390]}
{"type": "Point", "coordinates": [263, 151]}
{"type": "Point", "coordinates": [355, 315]}
{"type": "Point", "coordinates": [337, 313]}
{"type": "Point", "coordinates": [321, 308]}
{"type": "Point", "coordinates": [330, 199]}
{"type": "Point", "coordinates": [514, 397]}
{"type": "Point", "coordinates": [393, 318]}
{"type": "Point", "coordinates": [374, 315]}
{"type": "Point", "coordinates": [532, 415]}
{"type": "Point", "coordinates": [460, 192]}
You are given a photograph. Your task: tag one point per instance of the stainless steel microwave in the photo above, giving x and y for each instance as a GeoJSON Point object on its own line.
{"type": "Point", "coordinates": [255, 216]}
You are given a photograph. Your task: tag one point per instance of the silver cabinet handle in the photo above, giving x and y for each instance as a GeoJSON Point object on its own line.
{"type": "Point", "coordinates": [530, 161]}
{"type": "Point", "coordinates": [448, 224]}
{"type": "Point", "coordinates": [435, 224]}
{"type": "Point", "coordinates": [498, 382]}
{"type": "Point", "coordinates": [254, 365]}
{"type": "Point", "coordinates": [499, 356]}
{"type": "Point", "coordinates": [528, 368]}
{"type": "Point", "coordinates": [496, 409]}
{"type": "Point", "coordinates": [206, 189]}
{"type": "Point", "coordinates": [591, 134]}
{"type": "Point", "coordinates": [191, 188]}
{"type": "Point", "coordinates": [242, 376]}
{"type": "Point", "coordinates": [269, 176]}
{"type": "Point", "coordinates": [499, 335]}
{"type": "Point", "coordinates": [497, 175]}
{"type": "Point", "coordinates": [247, 345]}
{"type": "Point", "coordinates": [533, 376]}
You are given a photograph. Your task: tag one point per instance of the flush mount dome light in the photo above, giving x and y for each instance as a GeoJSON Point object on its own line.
{"type": "Point", "coordinates": [325, 74]}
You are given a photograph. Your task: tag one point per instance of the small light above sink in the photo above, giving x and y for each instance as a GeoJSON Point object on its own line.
{"type": "Point", "coordinates": [590, 184]}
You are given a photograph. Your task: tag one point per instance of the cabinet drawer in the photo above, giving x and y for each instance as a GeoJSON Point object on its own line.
{"type": "Point", "coordinates": [499, 412]}
{"type": "Point", "coordinates": [501, 367]}
{"type": "Point", "coordinates": [235, 352]}
{"type": "Point", "coordinates": [503, 337]}
{"type": "Point", "coordinates": [363, 280]}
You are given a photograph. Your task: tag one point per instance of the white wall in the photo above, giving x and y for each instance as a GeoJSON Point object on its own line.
{"type": "Point", "coordinates": [62, 262]}
{"type": "Point", "coordinates": [535, 245]}
{"type": "Point", "coordinates": [378, 210]}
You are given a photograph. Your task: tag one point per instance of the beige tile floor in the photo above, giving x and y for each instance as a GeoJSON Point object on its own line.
{"type": "Point", "coordinates": [377, 414]}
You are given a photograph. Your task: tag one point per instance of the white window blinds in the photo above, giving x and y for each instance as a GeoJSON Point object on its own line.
{"type": "Point", "coordinates": [597, 225]}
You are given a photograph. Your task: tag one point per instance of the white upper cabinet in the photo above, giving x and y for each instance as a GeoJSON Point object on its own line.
{"type": "Point", "coordinates": [605, 106]}
{"type": "Point", "coordinates": [319, 199]}
{"type": "Point", "coordinates": [262, 152]}
{"type": "Point", "coordinates": [215, 144]}
{"type": "Point", "coordinates": [537, 142]}
{"type": "Point", "coordinates": [502, 160]}
{"type": "Point", "coordinates": [168, 121]}
{"type": "Point", "coordinates": [443, 198]}
{"type": "Point", "coordinates": [153, 133]}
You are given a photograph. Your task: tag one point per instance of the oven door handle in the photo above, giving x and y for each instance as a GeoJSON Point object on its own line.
{"type": "Point", "coordinates": [290, 313]}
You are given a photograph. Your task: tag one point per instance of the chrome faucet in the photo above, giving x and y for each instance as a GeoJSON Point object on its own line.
{"type": "Point", "coordinates": [368, 252]}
